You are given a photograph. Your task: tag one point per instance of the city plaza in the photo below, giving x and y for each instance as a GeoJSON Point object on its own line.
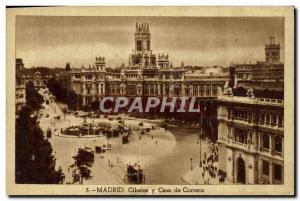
{"type": "Point", "coordinates": [249, 131]}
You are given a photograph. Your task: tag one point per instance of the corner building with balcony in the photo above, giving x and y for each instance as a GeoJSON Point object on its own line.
{"type": "Point", "coordinates": [251, 139]}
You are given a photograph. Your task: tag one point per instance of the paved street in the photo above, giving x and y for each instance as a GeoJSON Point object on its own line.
{"type": "Point", "coordinates": [163, 154]}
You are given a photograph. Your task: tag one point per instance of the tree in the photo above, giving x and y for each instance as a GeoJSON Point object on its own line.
{"type": "Point", "coordinates": [62, 94]}
{"type": "Point", "coordinates": [33, 98]}
{"type": "Point", "coordinates": [35, 163]}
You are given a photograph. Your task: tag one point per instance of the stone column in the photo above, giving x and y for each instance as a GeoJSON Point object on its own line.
{"type": "Point", "coordinates": [103, 88]}
{"type": "Point", "coordinates": [158, 89]}
{"type": "Point", "coordinates": [83, 100]}
{"type": "Point", "coordinates": [271, 172]}
{"type": "Point", "coordinates": [258, 140]}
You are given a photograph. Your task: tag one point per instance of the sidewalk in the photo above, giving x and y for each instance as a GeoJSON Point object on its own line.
{"type": "Point", "coordinates": [208, 173]}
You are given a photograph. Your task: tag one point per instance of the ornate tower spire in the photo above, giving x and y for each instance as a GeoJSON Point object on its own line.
{"type": "Point", "coordinates": [272, 51]}
{"type": "Point", "coordinates": [142, 37]}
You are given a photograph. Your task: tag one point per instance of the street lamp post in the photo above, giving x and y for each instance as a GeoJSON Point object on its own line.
{"type": "Point", "coordinates": [200, 163]}
{"type": "Point", "coordinates": [94, 132]}
{"type": "Point", "coordinates": [200, 134]}
{"type": "Point", "coordinates": [88, 126]}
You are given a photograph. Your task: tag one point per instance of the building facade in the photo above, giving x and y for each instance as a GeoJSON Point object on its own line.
{"type": "Point", "coordinates": [147, 74]}
{"type": "Point", "coordinates": [26, 75]}
{"type": "Point", "coordinates": [268, 74]}
{"type": "Point", "coordinates": [251, 139]}
{"type": "Point", "coordinates": [20, 96]}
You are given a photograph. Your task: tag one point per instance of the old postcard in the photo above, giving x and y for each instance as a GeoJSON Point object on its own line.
{"type": "Point", "coordinates": [150, 101]}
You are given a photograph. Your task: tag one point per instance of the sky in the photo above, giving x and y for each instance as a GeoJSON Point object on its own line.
{"type": "Point", "coordinates": [203, 41]}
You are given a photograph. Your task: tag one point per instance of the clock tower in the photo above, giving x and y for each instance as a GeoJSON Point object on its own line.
{"type": "Point", "coordinates": [272, 51]}
{"type": "Point", "coordinates": [142, 37]}
{"type": "Point", "coordinates": [142, 56]}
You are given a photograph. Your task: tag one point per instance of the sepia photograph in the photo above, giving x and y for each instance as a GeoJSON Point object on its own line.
{"type": "Point", "coordinates": [150, 101]}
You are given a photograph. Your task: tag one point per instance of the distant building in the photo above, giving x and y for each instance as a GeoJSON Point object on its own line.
{"type": "Point", "coordinates": [38, 76]}
{"type": "Point", "coordinates": [272, 51]}
{"type": "Point", "coordinates": [20, 96]}
{"type": "Point", "coordinates": [89, 83]}
{"type": "Point", "coordinates": [38, 79]}
{"type": "Point", "coordinates": [268, 74]}
{"type": "Point", "coordinates": [251, 139]}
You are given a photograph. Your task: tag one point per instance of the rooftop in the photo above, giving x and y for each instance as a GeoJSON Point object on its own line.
{"type": "Point", "coordinates": [249, 100]}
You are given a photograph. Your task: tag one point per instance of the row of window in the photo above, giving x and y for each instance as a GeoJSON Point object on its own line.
{"type": "Point", "coordinates": [240, 136]}
{"type": "Point", "coordinates": [269, 119]}
{"type": "Point", "coordinates": [244, 76]}
{"type": "Point", "coordinates": [276, 169]}
{"type": "Point", "coordinates": [277, 142]}
{"type": "Point", "coordinates": [272, 59]}
{"type": "Point", "coordinates": [139, 45]}
{"type": "Point", "coordinates": [240, 115]}
{"type": "Point", "coordinates": [245, 137]}
{"type": "Point", "coordinates": [272, 54]}
{"type": "Point", "coordinates": [88, 77]}
{"type": "Point", "coordinates": [98, 89]}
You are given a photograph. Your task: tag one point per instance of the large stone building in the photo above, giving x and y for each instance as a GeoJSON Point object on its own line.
{"type": "Point", "coordinates": [20, 85]}
{"type": "Point", "coordinates": [26, 75]}
{"type": "Point", "coordinates": [147, 74]}
{"type": "Point", "coordinates": [261, 75]}
{"type": "Point", "coordinates": [251, 139]}
{"type": "Point", "coordinates": [250, 131]}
